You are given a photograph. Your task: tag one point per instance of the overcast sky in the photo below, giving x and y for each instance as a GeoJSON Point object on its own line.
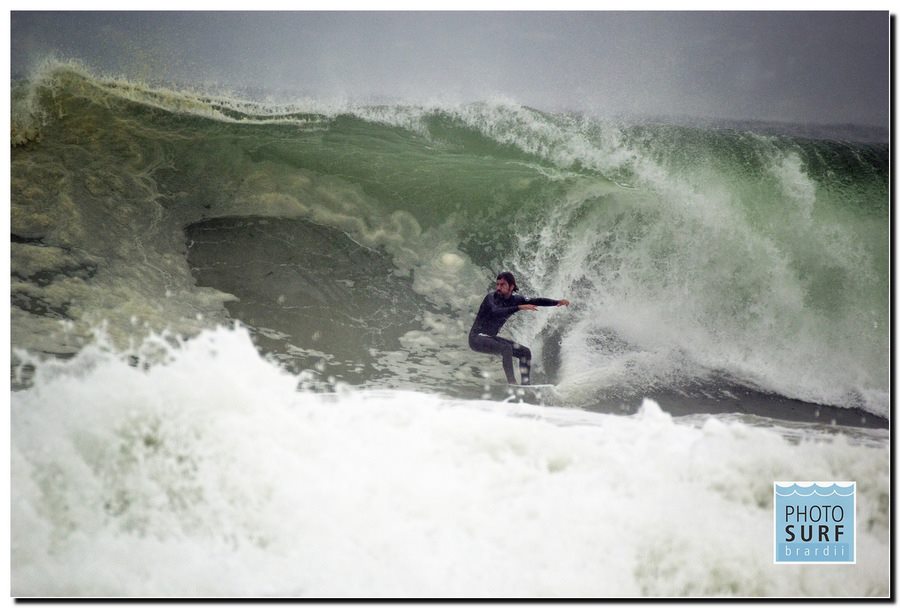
{"type": "Point", "coordinates": [821, 67]}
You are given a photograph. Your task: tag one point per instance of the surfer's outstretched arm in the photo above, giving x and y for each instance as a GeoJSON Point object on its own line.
{"type": "Point", "coordinates": [533, 303]}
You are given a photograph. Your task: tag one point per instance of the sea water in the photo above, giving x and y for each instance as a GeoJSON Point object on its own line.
{"type": "Point", "coordinates": [240, 367]}
{"type": "Point", "coordinates": [211, 474]}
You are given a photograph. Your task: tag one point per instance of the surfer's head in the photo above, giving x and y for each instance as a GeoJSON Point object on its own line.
{"type": "Point", "coordinates": [506, 284]}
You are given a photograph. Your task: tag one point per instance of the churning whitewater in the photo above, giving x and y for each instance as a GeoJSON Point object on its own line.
{"type": "Point", "coordinates": [240, 362]}
{"type": "Point", "coordinates": [211, 475]}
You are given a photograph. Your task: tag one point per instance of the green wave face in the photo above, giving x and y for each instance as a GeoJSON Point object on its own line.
{"type": "Point", "coordinates": [358, 241]}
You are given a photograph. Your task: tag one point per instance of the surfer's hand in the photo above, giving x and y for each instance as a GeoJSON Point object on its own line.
{"type": "Point", "coordinates": [527, 307]}
{"type": "Point", "coordinates": [563, 303]}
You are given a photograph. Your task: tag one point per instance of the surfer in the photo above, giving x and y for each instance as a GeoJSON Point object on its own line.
{"type": "Point", "coordinates": [496, 308]}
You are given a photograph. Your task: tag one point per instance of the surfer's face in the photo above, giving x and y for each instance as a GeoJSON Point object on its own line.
{"type": "Point", "coordinates": [503, 288]}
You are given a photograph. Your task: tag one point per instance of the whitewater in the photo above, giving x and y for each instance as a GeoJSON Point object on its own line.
{"type": "Point", "coordinates": [212, 475]}
{"type": "Point", "coordinates": [239, 360]}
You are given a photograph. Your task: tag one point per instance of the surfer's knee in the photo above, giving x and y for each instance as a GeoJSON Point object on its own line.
{"type": "Point", "coordinates": [522, 352]}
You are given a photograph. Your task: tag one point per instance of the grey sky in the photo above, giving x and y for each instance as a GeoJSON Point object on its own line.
{"type": "Point", "coordinates": [822, 67]}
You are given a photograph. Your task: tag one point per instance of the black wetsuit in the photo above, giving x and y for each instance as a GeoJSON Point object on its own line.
{"type": "Point", "coordinates": [492, 314]}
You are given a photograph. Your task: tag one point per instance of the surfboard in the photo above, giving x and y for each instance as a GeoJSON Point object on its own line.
{"type": "Point", "coordinates": [523, 393]}
{"type": "Point", "coordinates": [534, 386]}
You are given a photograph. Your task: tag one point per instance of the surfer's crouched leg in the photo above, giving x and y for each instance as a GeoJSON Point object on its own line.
{"type": "Point", "coordinates": [497, 346]}
{"type": "Point", "coordinates": [524, 355]}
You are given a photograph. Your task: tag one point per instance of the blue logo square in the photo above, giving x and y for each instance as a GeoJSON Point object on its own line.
{"type": "Point", "coordinates": [815, 522]}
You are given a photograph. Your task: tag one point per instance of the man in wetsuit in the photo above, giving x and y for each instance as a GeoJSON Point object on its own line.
{"type": "Point", "coordinates": [496, 308]}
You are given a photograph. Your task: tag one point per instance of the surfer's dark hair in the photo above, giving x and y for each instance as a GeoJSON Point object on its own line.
{"type": "Point", "coordinates": [509, 278]}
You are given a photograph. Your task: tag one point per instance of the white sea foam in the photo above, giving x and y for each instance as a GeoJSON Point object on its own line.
{"type": "Point", "coordinates": [209, 473]}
